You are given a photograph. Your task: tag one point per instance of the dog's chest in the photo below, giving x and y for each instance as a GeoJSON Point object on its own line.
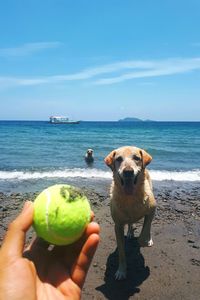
{"type": "Point", "coordinates": [130, 210]}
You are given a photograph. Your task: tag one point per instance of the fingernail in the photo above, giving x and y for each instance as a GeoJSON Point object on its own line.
{"type": "Point", "coordinates": [26, 206]}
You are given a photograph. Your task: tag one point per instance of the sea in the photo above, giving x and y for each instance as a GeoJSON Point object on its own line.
{"type": "Point", "coordinates": [35, 154]}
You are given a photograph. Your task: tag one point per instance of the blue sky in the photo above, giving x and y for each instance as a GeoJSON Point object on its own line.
{"type": "Point", "coordinates": [100, 60]}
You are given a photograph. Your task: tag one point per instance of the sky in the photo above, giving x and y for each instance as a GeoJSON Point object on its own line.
{"type": "Point", "coordinates": [100, 60]}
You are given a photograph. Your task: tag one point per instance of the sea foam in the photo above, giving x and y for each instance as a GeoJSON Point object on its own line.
{"type": "Point", "coordinates": [158, 175]}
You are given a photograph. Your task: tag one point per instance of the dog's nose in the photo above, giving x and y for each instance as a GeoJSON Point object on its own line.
{"type": "Point", "coordinates": [128, 173]}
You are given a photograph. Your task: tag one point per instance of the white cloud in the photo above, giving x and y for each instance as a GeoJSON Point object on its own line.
{"type": "Point", "coordinates": [27, 49]}
{"type": "Point", "coordinates": [159, 68]}
{"type": "Point", "coordinates": [118, 72]}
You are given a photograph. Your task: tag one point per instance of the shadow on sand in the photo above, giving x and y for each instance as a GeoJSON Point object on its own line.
{"type": "Point", "coordinates": [137, 273]}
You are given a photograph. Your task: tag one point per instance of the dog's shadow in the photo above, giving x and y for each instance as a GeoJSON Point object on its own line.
{"type": "Point", "coordinates": [137, 272]}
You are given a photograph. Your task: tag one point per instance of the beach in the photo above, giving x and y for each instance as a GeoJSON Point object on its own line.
{"type": "Point", "coordinates": [170, 269]}
{"type": "Point", "coordinates": [35, 155]}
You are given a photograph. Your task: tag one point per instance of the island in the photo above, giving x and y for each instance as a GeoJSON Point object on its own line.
{"type": "Point", "coordinates": [134, 120]}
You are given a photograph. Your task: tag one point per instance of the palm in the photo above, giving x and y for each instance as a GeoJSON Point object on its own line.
{"type": "Point", "coordinates": [51, 271]}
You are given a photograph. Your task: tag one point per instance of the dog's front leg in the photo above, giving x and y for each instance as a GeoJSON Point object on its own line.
{"type": "Point", "coordinates": [121, 272]}
{"type": "Point", "coordinates": [145, 239]}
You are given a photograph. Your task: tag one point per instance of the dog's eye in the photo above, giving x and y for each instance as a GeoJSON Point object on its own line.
{"type": "Point", "coordinates": [137, 158]}
{"type": "Point", "coordinates": [119, 159]}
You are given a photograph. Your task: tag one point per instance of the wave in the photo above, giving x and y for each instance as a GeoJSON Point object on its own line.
{"type": "Point", "coordinates": [72, 173]}
{"type": "Point", "coordinates": [193, 175]}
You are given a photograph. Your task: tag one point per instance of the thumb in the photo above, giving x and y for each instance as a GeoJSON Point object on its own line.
{"type": "Point", "coordinates": [13, 244]}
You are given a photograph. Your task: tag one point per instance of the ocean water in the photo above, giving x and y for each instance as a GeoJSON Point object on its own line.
{"type": "Point", "coordinates": [32, 152]}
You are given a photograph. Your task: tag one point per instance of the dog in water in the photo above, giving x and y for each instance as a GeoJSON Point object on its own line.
{"type": "Point", "coordinates": [89, 158]}
{"type": "Point", "coordinates": [131, 198]}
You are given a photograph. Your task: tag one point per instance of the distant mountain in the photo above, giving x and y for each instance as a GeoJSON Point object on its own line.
{"type": "Point", "coordinates": [130, 120]}
{"type": "Point", "coordinates": [134, 120]}
{"type": "Point", "coordinates": [149, 120]}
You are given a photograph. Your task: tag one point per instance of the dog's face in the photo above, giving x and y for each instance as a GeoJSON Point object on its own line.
{"type": "Point", "coordinates": [89, 152]}
{"type": "Point", "coordinates": [127, 163]}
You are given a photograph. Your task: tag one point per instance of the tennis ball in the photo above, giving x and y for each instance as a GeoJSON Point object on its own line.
{"type": "Point", "coordinates": [61, 214]}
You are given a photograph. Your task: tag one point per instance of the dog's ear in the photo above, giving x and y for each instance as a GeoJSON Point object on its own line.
{"type": "Point", "coordinates": [109, 159]}
{"type": "Point", "coordinates": [146, 158]}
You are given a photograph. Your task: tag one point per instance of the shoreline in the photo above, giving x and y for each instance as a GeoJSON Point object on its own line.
{"type": "Point", "coordinates": [168, 270]}
{"type": "Point", "coordinates": [98, 183]}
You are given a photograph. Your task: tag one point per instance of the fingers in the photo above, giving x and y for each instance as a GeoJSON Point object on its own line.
{"type": "Point", "coordinates": [92, 216]}
{"type": "Point", "coordinates": [84, 259]}
{"type": "Point", "coordinates": [15, 237]}
{"type": "Point", "coordinates": [92, 227]}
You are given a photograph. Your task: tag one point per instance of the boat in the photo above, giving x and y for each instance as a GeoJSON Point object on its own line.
{"type": "Point", "coordinates": [61, 120]}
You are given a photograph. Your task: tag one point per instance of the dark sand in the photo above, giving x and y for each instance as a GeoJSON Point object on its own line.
{"type": "Point", "coordinates": [168, 270]}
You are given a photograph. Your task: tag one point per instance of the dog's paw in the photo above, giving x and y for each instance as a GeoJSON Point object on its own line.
{"type": "Point", "coordinates": [120, 275]}
{"type": "Point", "coordinates": [145, 242]}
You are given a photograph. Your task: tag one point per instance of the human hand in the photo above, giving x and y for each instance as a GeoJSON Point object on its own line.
{"type": "Point", "coordinates": [40, 272]}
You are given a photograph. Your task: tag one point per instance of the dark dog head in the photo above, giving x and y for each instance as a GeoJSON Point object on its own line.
{"type": "Point", "coordinates": [89, 153]}
{"type": "Point", "coordinates": [127, 163]}
{"type": "Point", "coordinates": [89, 158]}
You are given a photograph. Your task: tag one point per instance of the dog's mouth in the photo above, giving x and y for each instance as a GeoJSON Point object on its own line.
{"type": "Point", "coordinates": [128, 185]}
{"type": "Point", "coordinates": [128, 181]}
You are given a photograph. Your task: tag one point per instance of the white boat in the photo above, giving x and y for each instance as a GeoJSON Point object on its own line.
{"type": "Point", "coordinates": [61, 120]}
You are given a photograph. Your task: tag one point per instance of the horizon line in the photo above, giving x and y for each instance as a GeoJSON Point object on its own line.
{"type": "Point", "coordinates": [139, 121]}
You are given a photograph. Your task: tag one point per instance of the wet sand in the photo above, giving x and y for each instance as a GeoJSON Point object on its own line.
{"type": "Point", "coordinates": [168, 270]}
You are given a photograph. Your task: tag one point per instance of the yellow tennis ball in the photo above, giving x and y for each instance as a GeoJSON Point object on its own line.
{"type": "Point", "coordinates": [61, 214]}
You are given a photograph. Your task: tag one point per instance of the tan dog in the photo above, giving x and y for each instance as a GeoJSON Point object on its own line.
{"type": "Point", "coordinates": [131, 197]}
